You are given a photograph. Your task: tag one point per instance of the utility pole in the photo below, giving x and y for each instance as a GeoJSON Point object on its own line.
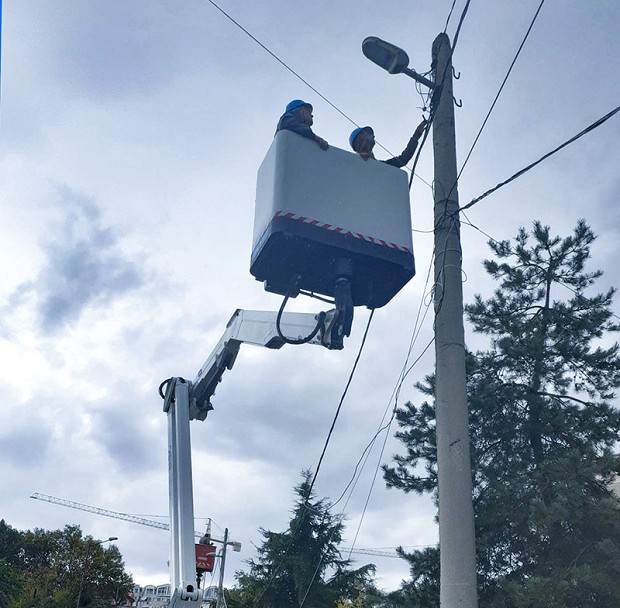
{"type": "Point", "coordinates": [221, 602]}
{"type": "Point", "coordinates": [456, 516]}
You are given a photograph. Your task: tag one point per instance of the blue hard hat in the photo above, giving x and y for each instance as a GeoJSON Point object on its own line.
{"type": "Point", "coordinates": [357, 131]}
{"type": "Point", "coordinates": [297, 103]}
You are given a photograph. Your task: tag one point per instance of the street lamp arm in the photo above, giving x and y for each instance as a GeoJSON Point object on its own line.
{"type": "Point", "coordinates": [419, 78]}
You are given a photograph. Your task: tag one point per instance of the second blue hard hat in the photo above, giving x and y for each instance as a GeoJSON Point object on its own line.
{"type": "Point", "coordinates": [357, 131]}
{"type": "Point", "coordinates": [296, 103]}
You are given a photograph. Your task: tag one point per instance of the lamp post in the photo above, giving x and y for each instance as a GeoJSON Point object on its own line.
{"type": "Point", "coordinates": [89, 544]}
{"type": "Point", "coordinates": [456, 517]}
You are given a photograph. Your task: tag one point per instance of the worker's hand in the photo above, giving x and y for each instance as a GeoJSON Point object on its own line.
{"type": "Point", "coordinates": [322, 143]}
{"type": "Point", "coordinates": [420, 129]}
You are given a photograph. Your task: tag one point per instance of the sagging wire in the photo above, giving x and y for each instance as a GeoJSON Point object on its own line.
{"type": "Point", "coordinates": [306, 505]}
{"type": "Point", "coordinates": [325, 448]}
{"type": "Point", "coordinates": [387, 426]}
{"type": "Point", "coordinates": [437, 91]}
{"type": "Point", "coordinates": [341, 516]}
{"type": "Point", "coordinates": [460, 24]}
{"type": "Point", "coordinates": [404, 373]}
{"type": "Point", "coordinates": [344, 393]}
{"type": "Point", "coordinates": [297, 75]}
{"type": "Point", "coordinates": [593, 126]}
{"type": "Point", "coordinates": [280, 61]}
{"type": "Point", "coordinates": [501, 88]}
{"type": "Point", "coordinates": [395, 392]}
{"type": "Point", "coordinates": [449, 16]}
{"type": "Point", "coordinates": [361, 463]}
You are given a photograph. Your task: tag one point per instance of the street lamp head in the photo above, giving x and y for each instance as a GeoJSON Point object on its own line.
{"type": "Point", "coordinates": [385, 55]}
{"type": "Point", "coordinates": [105, 540]}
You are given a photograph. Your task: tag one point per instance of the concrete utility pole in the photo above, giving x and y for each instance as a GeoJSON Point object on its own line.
{"type": "Point", "coordinates": [221, 602]}
{"type": "Point", "coordinates": [456, 515]}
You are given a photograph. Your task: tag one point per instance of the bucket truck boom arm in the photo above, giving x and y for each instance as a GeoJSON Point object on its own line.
{"type": "Point", "coordinates": [185, 401]}
{"type": "Point", "coordinates": [260, 328]}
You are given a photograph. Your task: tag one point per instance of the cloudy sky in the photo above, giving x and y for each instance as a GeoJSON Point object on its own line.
{"type": "Point", "coordinates": [131, 134]}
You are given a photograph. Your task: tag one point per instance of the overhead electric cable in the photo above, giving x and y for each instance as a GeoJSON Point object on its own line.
{"type": "Point", "coordinates": [438, 90]}
{"type": "Point", "coordinates": [458, 27]}
{"type": "Point", "coordinates": [367, 453]}
{"type": "Point", "coordinates": [529, 29]}
{"type": "Point", "coordinates": [297, 75]}
{"type": "Point", "coordinates": [469, 223]}
{"type": "Point", "coordinates": [344, 393]}
{"type": "Point", "coordinates": [306, 505]}
{"type": "Point", "coordinates": [395, 391]}
{"type": "Point", "coordinates": [593, 126]}
{"type": "Point", "coordinates": [290, 69]}
{"type": "Point", "coordinates": [372, 486]}
{"type": "Point", "coordinates": [449, 16]}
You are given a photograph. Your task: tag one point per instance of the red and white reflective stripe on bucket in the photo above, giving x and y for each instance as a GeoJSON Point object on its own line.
{"type": "Point", "coordinates": [344, 231]}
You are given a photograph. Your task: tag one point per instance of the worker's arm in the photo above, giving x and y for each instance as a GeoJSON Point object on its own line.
{"type": "Point", "coordinates": [408, 152]}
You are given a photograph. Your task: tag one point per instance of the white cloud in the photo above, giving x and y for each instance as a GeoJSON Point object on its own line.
{"type": "Point", "coordinates": [154, 117]}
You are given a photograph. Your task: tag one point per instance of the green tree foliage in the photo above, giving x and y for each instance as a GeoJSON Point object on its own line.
{"type": "Point", "coordinates": [47, 569]}
{"type": "Point", "coordinates": [302, 565]}
{"type": "Point", "coordinates": [543, 431]}
{"type": "Point", "coordinates": [10, 575]}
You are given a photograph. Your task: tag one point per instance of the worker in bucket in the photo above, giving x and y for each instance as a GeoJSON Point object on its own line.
{"type": "Point", "coordinates": [298, 119]}
{"type": "Point", "coordinates": [362, 140]}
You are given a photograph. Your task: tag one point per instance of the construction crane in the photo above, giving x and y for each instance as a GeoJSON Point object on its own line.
{"type": "Point", "coordinates": [370, 552]}
{"type": "Point", "coordinates": [116, 515]}
{"type": "Point", "coordinates": [164, 526]}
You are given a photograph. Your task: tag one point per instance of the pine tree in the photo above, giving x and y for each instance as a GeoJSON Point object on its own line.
{"type": "Point", "coordinates": [543, 429]}
{"type": "Point", "coordinates": [303, 565]}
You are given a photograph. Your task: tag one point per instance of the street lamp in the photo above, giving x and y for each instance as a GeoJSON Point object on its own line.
{"type": "Point", "coordinates": [391, 58]}
{"type": "Point", "coordinates": [89, 544]}
{"type": "Point", "coordinates": [107, 540]}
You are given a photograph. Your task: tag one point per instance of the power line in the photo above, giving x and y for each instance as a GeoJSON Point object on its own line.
{"type": "Point", "coordinates": [281, 62]}
{"type": "Point", "coordinates": [458, 27]}
{"type": "Point", "coordinates": [449, 16]}
{"type": "Point", "coordinates": [439, 89]}
{"type": "Point", "coordinates": [344, 393]}
{"type": "Point", "coordinates": [297, 75]}
{"type": "Point", "coordinates": [529, 29]}
{"type": "Point", "coordinates": [593, 126]}
{"type": "Point", "coordinates": [496, 96]}
{"type": "Point", "coordinates": [366, 452]}
{"type": "Point", "coordinates": [365, 455]}
{"type": "Point", "coordinates": [306, 505]}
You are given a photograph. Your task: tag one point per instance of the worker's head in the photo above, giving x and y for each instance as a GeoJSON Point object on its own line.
{"type": "Point", "coordinates": [362, 140]}
{"type": "Point", "coordinates": [303, 109]}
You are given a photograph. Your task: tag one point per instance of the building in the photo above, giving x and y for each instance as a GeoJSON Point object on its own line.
{"type": "Point", "coordinates": [151, 596]}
